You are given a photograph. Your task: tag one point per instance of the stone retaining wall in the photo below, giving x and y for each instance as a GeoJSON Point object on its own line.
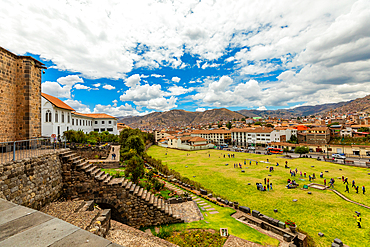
{"type": "Point", "coordinates": [32, 182]}
{"type": "Point", "coordinates": [130, 204]}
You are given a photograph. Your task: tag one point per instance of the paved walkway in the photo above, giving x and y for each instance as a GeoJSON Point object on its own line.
{"type": "Point", "coordinates": [21, 226]}
{"type": "Point", "coordinates": [114, 150]}
{"type": "Point", "coordinates": [348, 200]}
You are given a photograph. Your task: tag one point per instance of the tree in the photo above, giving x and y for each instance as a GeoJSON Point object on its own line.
{"type": "Point", "coordinates": [293, 139]}
{"type": "Point", "coordinates": [335, 123]}
{"type": "Point", "coordinates": [363, 129]}
{"type": "Point", "coordinates": [136, 143]}
{"type": "Point", "coordinates": [229, 125]}
{"type": "Point", "coordinates": [269, 125]}
{"type": "Point", "coordinates": [258, 123]}
{"type": "Point", "coordinates": [285, 150]}
{"type": "Point", "coordinates": [243, 120]}
{"type": "Point", "coordinates": [301, 150]}
{"type": "Point", "coordinates": [219, 125]}
{"type": "Point", "coordinates": [135, 167]}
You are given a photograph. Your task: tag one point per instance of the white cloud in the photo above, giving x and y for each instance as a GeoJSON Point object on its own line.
{"type": "Point", "coordinates": [261, 108]}
{"type": "Point", "coordinates": [109, 87]}
{"type": "Point", "coordinates": [96, 85]}
{"type": "Point", "coordinates": [78, 106]}
{"type": "Point", "coordinates": [178, 90]}
{"type": "Point", "coordinates": [156, 75]}
{"type": "Point", "coordinates": [80, 86]}
{"type": "Point", "coordinates": [132, 80]}
{"type": "Point", "coordinates": [199, 109]}
{"type": "Point", "coordinates": [119, 111]}
{"type": "Point", "coordinates": [62, 87]}
{"type": "Point", "coordinates": [176, 79]}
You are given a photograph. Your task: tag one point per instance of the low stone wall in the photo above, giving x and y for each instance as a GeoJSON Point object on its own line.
{"type": "Point", "coordinates": [92, 152]}
{"type": "Point", "coordinates": [32, 182]}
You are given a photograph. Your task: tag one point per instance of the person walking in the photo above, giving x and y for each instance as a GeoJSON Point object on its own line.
{"type": "Point", "coordinates": [265, 180]}
{"type": "Point", "coordinates": [270, 186]}
{"type": "Point", "coordinates": [363, 189]}
{"type": "Point", "coordinates": [358, 220]}
{"type": "Point", "coordinates": [353, 183]}
{"type": "Point", "coordinates": [347, 188]}
{"type": "Point", "coordinates": [356, 189]}
{"type": "Point", "coordinates": [325, 181]}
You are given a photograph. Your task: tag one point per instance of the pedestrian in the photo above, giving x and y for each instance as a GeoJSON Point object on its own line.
{"type": "Point", "coordinates": [224, 155]}
{"type": "Point", "coordinates": [353, 183]}
{"type": "Point", "coordinates": [268, 181]}
{"type": "Point", "coordinates": [363, 189]}
{"type": "Point", "coordinates": [286, 162]}
{"type": "Point", "coordinates": [342, 178]}
{"type": "Point", "coordinates": [277, 164]}
{"type": "Point", "coordinates": [346, 180]}
{"type": "Point", "coordinates": [209, 155]}
{"type": "Point", "coordinates": [256, 162]}
{"type": "Point", "coordinates": [356, 189]}
{"type": "Point", "coordinates": [296, 170]}
{"type": "Point", "coordinates": [309, 177]}
{"type": "Point", "coordinates": [113, 149]}
{"type": "Point", "coordinates": [270, 186]}
{"type": "Point", "coordinates": [325, 181]}
{"type": "Point", "coordinates": [112, 156]}
{"type": "Point", "coordinates": [264, 188]}
{"type": "Point", "coordinates": [250, 162]}
{"type": "Point", "coordinates": [358, 219]}
{"type": "Point", "coordinates": [304, 174]}
{"type": "Point", "coordinates": [301, 173]}
{"type": "Point", "coordinates": [347, 188]}
{"type": "Point", "coordinates": [265, 180]}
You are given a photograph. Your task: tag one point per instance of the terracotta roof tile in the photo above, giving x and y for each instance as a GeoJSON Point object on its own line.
{"type": "Point", "coordinates": [57, 102]}
{"type": "Point", "coordinates": [94, 115]}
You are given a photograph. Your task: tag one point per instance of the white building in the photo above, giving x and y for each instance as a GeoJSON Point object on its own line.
{"type": "Point", "coordinates": [188, 143]}
{"type": "Point", "coordinates": [247, 136]}
{"type": "Point", "coordinates": [57, 117]}
{"type": "Point", "coordinates": [218, 136]}
{"type": "Point", "coordinates": [282, 134]}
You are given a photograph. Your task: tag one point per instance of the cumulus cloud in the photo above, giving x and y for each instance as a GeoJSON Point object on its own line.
{"type": "Point", "coordinates": [176, 79]}
{"type": "Point", "coordinates": [261, 108]}
{"type": "Point", "coordinates": [109, 87]}
{"type": "Point", "coordinates": [62, 87]}
{"type": "Point", "coordinates": [119, 111]}
{"type": "Point", "coordinates": [132, 80]}
{"type": "Point", "coordinates": [200, 109]}
{"type": "Point", "coordinates": [78, 106]}
{"type": "Point", "coordinates": [96, 85]}
{"type": "Point", "coordinates": [80, 86]}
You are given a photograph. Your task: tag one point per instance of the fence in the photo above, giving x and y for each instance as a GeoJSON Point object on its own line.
{"type": "Point", "coordinates": [18, 150]}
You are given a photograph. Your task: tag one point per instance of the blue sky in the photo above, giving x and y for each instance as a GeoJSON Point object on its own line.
{"type": "Point", "coordinates": [135, 57]}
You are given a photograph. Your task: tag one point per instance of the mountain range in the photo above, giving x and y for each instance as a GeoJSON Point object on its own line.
{"type": "Point", "coordinates": [176, 118]}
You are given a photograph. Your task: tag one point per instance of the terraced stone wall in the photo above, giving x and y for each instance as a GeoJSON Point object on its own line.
{"type": "Point", "coordinates": [32, 182]}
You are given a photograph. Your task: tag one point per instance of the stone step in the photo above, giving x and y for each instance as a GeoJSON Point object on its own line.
{"type": "Point", "coordinates": [170, 210]}
{"type": "Point", "coordinates": [86, 166]}
{"type": "Point", "coordinates": [162, 204]}
{"type": "Point", "coordinates": [99, 174]}
{"type": "Point", "coordinates": [91, 169]}
{"type": "Point", "coordinates": [77, 162]}
{"type": "Point", "coordinates": [73, 159]}
{"type": "Point", "coordinates": [82, 164]}
{"type": "Point", "coordinates": [166, 208]}
{"type": "Point", "coordinates": [125, 183]}
{"type": "Point", "coordinates": [103, 177]}
{"type": "Point", "coordinates": [140, 193]}
{"type": "Point", "coordinates": [65, 153]}
{"type": "Point", "coordinates": [128, 185]}
{"type": "Point", "coordinates": [115, 181]}
{"type": "Point", "coordinates": [107, 180]}
{"type": "Point", "coordinates": [155, 201]}
{"type": "Point", "coordinates": [148, 195]}
{"type": "Point", "coordinates": [143, 196]}
{"type": "Point", "coordinates": [159, 205]}
{"type": "Point", "coordinates": [152, 198]}
{"type": "Point", "coordinates": [132, 189]}
{"type": "Point", "coordinates": [137, 189]}
{"type": "Point", "coordinates": [94, 172]}
{"type": "Point", "coordinates": [69, 155]}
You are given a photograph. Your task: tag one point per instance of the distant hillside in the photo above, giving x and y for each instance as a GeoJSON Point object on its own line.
{"type": "Point", "coordinates": [180, 118]}
{"type": "Point", "coordinates": [294, 112]}
{"type": "Point", "coordinates": [357, 105]}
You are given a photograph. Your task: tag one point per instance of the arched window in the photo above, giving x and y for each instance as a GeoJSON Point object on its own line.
{"type": "Point", "coordinates": [62, 117]}
{"type": "Point", "coordinates": [48, 116]}
{"type": "Point", "coordinates": [56, 116]}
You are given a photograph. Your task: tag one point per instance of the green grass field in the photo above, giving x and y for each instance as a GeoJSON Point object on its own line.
{"type": "Point", "coordinates": [323, 211]}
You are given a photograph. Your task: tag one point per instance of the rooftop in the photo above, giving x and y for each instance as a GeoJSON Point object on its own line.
{"type": "Point", "coordinates": [57, 102]}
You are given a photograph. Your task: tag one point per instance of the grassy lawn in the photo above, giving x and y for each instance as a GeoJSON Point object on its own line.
{"type": "Point", "coordinates": [323, 211]}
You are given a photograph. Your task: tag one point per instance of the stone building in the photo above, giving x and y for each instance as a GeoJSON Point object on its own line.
{"type": "Point", "coordinates": [20, 96]}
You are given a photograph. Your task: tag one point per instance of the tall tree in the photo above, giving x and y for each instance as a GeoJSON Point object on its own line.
{"type": "Point", "coordinates": [135, 168]}
{"type": "Point", "coordinates": [301, 150]}
{"type": "Point", "coordinates": [136, 143]}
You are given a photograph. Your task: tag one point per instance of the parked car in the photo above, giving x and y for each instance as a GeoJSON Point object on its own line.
{"type": "Point", "coordinates": [338, 156]}
{"type": "Point", "coordinates": [251, 148]}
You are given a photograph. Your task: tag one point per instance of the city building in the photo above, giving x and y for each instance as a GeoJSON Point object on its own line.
{"type": "Point", "coordinates": [58, 117]}
{"type": "Point", "coordinates": [251, 136]}
{"type": "Point", "coordinates": [218, 136]}
{"type": "Point", "coordinates": [188, 143]}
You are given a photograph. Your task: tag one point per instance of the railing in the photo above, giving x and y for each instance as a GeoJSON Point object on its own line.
{"type": "Point", "coordinates": [18, 150]}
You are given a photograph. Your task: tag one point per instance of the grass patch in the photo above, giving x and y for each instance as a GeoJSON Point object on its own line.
{"type": "Point", "coordinates": [323, 211]}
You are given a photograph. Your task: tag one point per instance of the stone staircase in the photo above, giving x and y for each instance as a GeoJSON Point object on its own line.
{"type": "Point", "coordinates": [79, 164]}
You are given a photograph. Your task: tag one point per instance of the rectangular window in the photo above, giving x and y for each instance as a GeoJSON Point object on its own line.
{"type": "Point", "coordinates": [110, 129]}
{"type": "Point", "coordinates": [73, 121]}
{"type": "Point", "coordinates": [102, 129]}
{"type": "Point", "coordinates": [97, 130]}
{"type": "Point", "coordinates": [69, 118]}
{"type": "Point", "coordinates": [102, 122]}
{"type": "Point", "coordinates": [96, 122]}
{"type": "Point", "coordinates": [110, 122]}
{"type": "Point", "coordinates": [80, 122]}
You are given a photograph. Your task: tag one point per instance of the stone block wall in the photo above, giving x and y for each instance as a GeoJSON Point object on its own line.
{"type": "Point", "coordinates": [128, 202]}
{"type": "Point", "coordinates": [32, 182]}
{"type": "Point", "coordinates": [20, 97]}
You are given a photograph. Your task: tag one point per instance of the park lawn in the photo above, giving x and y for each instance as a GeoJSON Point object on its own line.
{"type": "Point", "coordinates": [323, 211]}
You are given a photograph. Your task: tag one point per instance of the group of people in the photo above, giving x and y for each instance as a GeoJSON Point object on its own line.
{"type": "Point", "coordinates": [230, 155]}
{"type": "Point", "coordinates": [266, 187]}
{"type": "Point", "coordinates": [345, 181]}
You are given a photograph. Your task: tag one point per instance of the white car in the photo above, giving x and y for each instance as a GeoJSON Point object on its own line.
{"type": "Point", "coordinates": [251, 148]}
{"type": "Point", "coordinates": [338, 156]}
